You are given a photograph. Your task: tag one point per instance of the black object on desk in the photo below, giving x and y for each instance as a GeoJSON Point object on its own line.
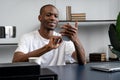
{"type": "Point", "coordinates": [25, 71]}
{"type": "Point", "coordinates": [19, 69]}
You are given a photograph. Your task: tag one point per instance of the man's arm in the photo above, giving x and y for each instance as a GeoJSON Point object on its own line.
{"type": "Point", "coordinates": [72, 33]}
{"type": "Point", "coordinates": [54, 43]}
{"type": "Point", "coordinates": [79, 53]}
{"type": "Point", "coordinates": [22, 57]}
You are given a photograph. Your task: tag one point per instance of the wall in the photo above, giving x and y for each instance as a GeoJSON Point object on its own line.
{"type": "Point", "coordinates": [94, 38]}
{"type": "Point", "coordinates": [119, 5]}
{"type": "Point", "coordinates": [103, 9]}
{"type": "Point", "coordinates": [23, 14]}
{"type": "Point", "coordinates": [6, 53]}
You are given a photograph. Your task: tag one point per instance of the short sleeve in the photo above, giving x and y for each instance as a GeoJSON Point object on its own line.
{"type": "Point", "coordinates": [23, 45]}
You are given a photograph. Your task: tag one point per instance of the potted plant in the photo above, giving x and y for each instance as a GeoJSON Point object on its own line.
{"type": "Point", "coordinates": [118, 26]}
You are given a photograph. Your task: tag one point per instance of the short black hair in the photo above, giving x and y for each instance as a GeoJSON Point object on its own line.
{"type": "Point", "coordinates": [42, 8]}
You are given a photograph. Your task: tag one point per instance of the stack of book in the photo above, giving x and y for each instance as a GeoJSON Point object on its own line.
{"type": "Point", "coordinates": [94, 57]}
{"type": "Point", "coordinates": [74, 16]}
{"type": "Point", "coordinates": [78, 16]}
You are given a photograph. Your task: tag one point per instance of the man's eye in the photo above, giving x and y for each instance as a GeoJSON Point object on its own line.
{"type": "Point", "coordinates": [48, 15]}
{"type": "Point", "coordinates": [56, 16]}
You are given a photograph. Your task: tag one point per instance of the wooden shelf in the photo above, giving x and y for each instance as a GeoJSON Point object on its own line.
{"type": "Point", "coordinates": [89, 22]}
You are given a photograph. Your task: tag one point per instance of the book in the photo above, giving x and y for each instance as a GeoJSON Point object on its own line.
{"type": "Point", "coordinates": [2, 31]}
{"type": "Point", "coordinates": [68, 12]}
{"type": "Point", "coordinates": [78, 14]}
{"type": "Point", "coordinates": [75, 19]}
{"type": "Point", "coordinates": [79, 18]}
{"type": "Point", "coordinates": [97, 57]}
{"type": "Point", "coordinates": [14, 32]}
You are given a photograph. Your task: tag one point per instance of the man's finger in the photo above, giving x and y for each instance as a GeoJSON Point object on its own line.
{"type": "Point", "coordinates": [76, 24]}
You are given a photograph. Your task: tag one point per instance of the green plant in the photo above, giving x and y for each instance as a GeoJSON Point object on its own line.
{"type": "Point", "coordinates": [118, 26]}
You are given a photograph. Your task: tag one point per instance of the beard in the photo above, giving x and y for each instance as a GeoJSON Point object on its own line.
{"type": "Point", "coordinates": [51, 27]}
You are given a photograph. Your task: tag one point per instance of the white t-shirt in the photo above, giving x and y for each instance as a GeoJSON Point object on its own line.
{"type": "Point", "coordinates": [59, 56]}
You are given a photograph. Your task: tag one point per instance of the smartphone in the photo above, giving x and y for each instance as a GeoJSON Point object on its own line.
{"type": "Point", "coordinates": [65, 38]}
{"type": "Point", "coordinates": [58, 29]}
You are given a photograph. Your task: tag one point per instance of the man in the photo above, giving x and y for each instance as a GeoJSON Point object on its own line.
{"type": "Point", "coordinates": [48, 44]}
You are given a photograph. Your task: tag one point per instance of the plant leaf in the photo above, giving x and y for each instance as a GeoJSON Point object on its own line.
{"type": "Point", "coordinates": [118, 25]}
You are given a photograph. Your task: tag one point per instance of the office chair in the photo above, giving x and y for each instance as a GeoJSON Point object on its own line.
{"type": "Point", "coordinates": [115, 43]}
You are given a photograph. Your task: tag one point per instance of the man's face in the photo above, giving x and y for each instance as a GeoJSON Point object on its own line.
{"type": "Point", "coordinates": [49, 18]}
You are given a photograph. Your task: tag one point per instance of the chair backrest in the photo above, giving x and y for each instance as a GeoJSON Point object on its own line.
{"type": "Point", "coordinates": [113, 37]}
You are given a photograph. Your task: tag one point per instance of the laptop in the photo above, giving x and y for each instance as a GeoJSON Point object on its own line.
{"type": "Point", "coordinates": [107, 67]}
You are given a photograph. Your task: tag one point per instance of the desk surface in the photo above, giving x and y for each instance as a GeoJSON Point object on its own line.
{"type": "Point", "coordinates": [80, 72]}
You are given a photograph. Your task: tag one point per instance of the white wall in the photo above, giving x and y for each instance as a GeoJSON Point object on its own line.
{"type": "Point", "coordinates": [119, 5]}
{"type": "Point", "coordinates": [94, 9]}
{"type": "Point", "coordinates": [94, 38]}
{"type": "Point", "coordinates": [6, 53]}
{"type": "Point", "coordinates": [23, 14]}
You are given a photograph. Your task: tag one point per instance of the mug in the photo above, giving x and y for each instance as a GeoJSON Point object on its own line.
{"type": "Point", "coordinates": [34, 59]}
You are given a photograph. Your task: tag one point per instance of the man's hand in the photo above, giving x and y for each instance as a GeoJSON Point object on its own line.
{"type": "Point", "coordinates": [55, 42]}
{"type": "Point", "coordinates": [70, 31]}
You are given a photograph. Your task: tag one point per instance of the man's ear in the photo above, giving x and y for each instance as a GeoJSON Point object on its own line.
{"type": "Point", "coordinates": [39, 17]}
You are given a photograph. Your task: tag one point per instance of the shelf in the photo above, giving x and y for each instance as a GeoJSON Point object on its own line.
{"type": "Point", "coordinates": [81, 23]}
{"type": "Point", "coordinates": [8, 44]}
{"type": "Point", "coordinates": [89, 22]}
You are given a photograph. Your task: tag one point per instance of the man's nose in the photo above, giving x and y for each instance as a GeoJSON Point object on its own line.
{"type": "Point", "coordinates": [52, 17]}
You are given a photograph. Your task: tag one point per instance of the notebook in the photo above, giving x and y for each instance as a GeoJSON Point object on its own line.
{"type": "Point", "coordinates": [107, 66]}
